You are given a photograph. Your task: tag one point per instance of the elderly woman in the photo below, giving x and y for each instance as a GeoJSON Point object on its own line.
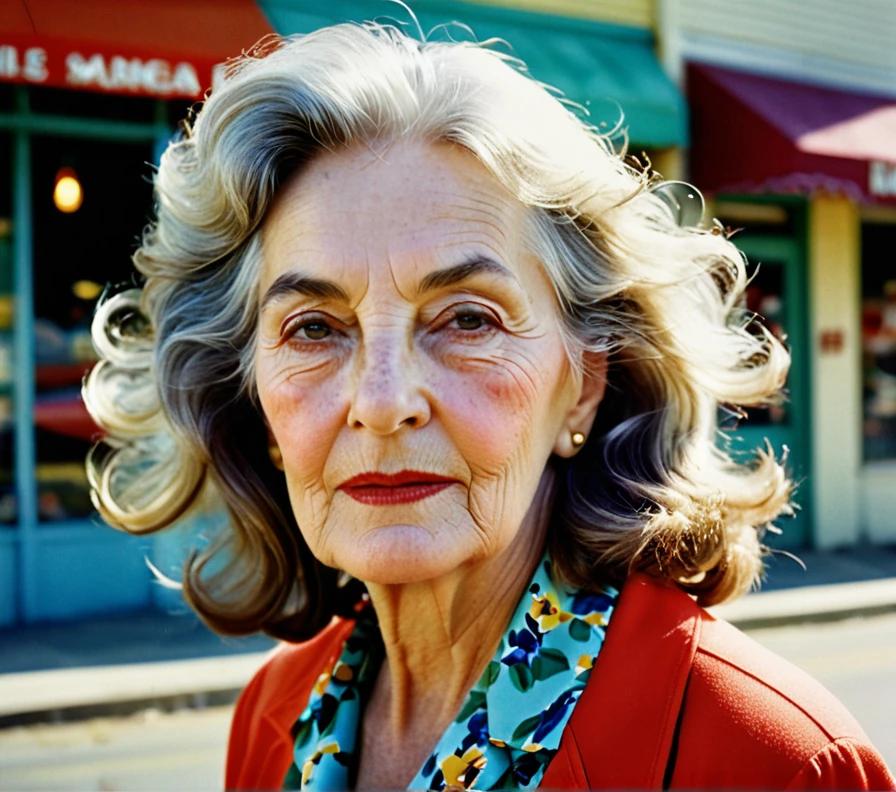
{"type": "Point", "coordinates": [453, 369]}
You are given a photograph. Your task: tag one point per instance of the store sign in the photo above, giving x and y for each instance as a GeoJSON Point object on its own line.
{"type": "Point", "coordinates": [29, 64]}
{"type": "Point", "coordinates": [882, 179]}
{"type": "Point", "coordinates": [112, 73]}
{"type": "Point", "coordinates": [153, 76]}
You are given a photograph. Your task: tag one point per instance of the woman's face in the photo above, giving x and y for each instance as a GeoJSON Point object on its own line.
{"type": "Point", "coordinates": [409, 360]}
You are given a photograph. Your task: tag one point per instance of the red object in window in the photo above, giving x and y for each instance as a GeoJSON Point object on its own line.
{"type": "Point", "coordinates": [65, 414]}
{"type": "Point", "coordinates": [61, 375]}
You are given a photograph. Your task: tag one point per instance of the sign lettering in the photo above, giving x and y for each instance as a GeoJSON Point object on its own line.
{"type": "Point", "coordinates": [154, 76]}
{"type": "Point", "coordinates": [882, 178]}
{"type": "Point", "coordinates": [104, 72]}
{"type": "Point", "coordinates": [31, 64]}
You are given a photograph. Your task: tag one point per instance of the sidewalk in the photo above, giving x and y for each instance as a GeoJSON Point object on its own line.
{"type": "Point", "coordinates": [121, 664]}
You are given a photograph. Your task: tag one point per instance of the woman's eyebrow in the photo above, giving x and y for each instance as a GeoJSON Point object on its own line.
{"type": "Point", "coordinates": [460, 272]}
{"type": "Point", "coordinates": [296, 283]}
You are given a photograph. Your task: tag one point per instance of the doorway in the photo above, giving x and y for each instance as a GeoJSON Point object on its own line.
{"type": "Point", "coordinates": [772, 235]}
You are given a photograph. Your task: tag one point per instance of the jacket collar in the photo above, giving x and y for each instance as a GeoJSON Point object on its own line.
{"type": "Point", "coordinates": [621, 733]}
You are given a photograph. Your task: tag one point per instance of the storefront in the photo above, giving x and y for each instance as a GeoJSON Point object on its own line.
{"type": "Point", "coordinates": [89, 96]}
{"type": "Point", "coordinates": [810, 172]}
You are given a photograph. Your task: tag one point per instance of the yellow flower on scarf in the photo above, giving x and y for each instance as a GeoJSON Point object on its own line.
{"type": "Point", "coordinates": [310, 763]}
{"type": "Point", "coordinates": [322, 681]}
{"type": "Point", "coordinates": [547, 612]}
{"type": "Point", "coordinates": [456, 768]}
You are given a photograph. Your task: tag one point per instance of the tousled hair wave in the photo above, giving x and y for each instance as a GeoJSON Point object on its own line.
{"type": "Point", "coordinates": [653, 488]}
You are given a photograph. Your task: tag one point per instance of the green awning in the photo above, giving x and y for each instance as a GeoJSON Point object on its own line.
{"type": "Point", "coordinates": [601, 66]}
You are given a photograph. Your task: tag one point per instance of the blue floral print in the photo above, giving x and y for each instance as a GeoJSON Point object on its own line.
{"type": "Point", "coordinates": [509, 727]}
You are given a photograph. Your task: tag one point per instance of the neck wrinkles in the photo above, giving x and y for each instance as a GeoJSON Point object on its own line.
{"type": "Point", "coordinates": [439, 635]}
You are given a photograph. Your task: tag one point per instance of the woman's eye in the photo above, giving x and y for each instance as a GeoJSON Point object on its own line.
{"type": "Point", "coordinates": [315, 331]}
{"type": "Point", "coordinates": [310, 329]}
{"type": "Point", "coordinates": [469, 321]}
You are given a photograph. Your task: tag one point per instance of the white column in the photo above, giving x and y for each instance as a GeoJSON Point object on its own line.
{"type": "Point", "coordinates": [834, 272]}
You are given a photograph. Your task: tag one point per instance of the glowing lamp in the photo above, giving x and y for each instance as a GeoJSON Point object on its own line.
{"type": "Point", "coordinates": [67, 194]}
{"type": "Point", "coordinates": [86, 289]}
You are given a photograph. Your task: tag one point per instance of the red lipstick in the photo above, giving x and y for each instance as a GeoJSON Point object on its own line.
{"type": "Point", "coordinates": [386, 489]}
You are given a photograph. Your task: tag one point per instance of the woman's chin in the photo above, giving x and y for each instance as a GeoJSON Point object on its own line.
{"type": "Point", "coordinates": [397, 554]}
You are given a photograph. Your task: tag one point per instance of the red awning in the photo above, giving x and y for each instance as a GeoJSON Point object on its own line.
{"type": "Point", "coordinates": [758, 134]}
{"type": "Point", "coordinates": [163, 48]}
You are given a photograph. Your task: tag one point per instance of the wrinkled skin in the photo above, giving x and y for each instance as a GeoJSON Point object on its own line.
{"type": "Point", "coordinates": [468, 380]}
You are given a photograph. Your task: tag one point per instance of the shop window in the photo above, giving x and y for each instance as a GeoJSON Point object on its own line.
{"type": "Point", "coordinates": [879, 341]}
{"type": "Point", "coordinates": [88, 105]}
{"type": "Point", "coordinates": [84, 237]}
{"type": "Point", "coordinates": [8, 511]}
{"type": "Point", "coordinates": [179, 110]}
{"type": "Point", "coordinates": [765, 299]}
{"type": "Point", "coordinates": [85, 104]}
{"type": "Point", "coordinates": [758, 229]}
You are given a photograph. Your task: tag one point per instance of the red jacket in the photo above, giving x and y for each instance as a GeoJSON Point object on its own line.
{"type": "Point", "coordinates": [676, 699]}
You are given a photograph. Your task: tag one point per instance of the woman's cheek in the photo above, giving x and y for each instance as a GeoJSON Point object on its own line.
{"type": "Point", "coordinates": [492, 404]}
{"type": "Point", "coordinates": [306, 418]}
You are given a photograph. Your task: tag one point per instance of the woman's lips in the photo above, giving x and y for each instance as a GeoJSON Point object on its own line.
{"type": "Point", "coordinates": [385, 489]}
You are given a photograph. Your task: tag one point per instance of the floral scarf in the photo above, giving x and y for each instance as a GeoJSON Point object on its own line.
{"type": "Point", "coordinates": [509, 727]}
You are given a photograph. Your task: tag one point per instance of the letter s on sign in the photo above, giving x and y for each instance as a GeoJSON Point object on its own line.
{"type": "Point", "coordinates": [35, 68]}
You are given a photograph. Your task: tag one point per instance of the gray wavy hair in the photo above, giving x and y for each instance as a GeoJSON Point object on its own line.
{"type": "Point", "coordinates": [653, 489]}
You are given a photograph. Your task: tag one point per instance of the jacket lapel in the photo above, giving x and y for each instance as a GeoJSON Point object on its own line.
{"type": "Point", "coordinates": [621, 733]}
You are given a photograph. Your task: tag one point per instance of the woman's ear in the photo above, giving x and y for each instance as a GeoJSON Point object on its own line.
{"type": "Point", "coordinates": [580, 418]}
{"type": "Point", "coordinates": [273, 449]}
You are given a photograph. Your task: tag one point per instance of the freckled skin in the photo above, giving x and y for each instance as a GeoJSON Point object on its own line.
{"type": "Point", "coordinates": [469, 381]}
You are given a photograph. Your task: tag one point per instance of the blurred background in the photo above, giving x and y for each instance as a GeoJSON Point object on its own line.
{"type": "Point", "coordinates": [782, 112]}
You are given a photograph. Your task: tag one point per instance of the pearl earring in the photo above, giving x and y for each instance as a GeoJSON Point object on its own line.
{"type": "Point", "coordinates": [578, 439]}
{"type": "Point", "coordinates": [276, 456]}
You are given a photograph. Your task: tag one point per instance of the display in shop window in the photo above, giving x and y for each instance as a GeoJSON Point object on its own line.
{"type": "Point", "coordinates": [879, 369]}
{"type": "Point", "coordinates": [78, 247]}
{"type": "Point", "coordinates": [764, 298]}
{"type": "Point", "coordinates": [879, 341]}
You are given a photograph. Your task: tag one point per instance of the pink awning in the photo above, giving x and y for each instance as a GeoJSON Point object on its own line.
{"type": "Point", "coordinates": [759, 134]}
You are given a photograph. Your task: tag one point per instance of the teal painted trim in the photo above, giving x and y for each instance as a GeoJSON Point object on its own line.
{"type": "Point", "coordinates": [67, 126]}
{"type": "Point", "coordinates": [88, 528]}
{"type": "Point", "coordinates": [88, 568]}
{"type": "Point", "coordinates": [9, 535]}
{"type": "Point", "coordinates": [792, 249]}
{"type": "Point", "coordinates": [163, 132]}
{"type": "Point", "coordinates": [23, 345]}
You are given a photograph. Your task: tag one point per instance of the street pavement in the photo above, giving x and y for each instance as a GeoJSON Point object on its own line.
{"type": "Point", "coordinates": [116, 665]}
{"type": "Point", "coordinates": [149, 750]}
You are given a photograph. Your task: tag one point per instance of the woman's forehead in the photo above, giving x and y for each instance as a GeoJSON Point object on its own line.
{"type": "Point", "coordinates": [414, 200]}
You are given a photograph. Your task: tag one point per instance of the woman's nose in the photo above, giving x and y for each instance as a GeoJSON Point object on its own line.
{"type": "Point", "coordinates": [388, 394]}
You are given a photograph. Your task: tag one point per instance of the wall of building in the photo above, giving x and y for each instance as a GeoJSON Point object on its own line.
{"type": "Point", "coordinates": [827, 41]}
{"type": "Point", "coordinates": [836, 374]}
{"type": "Point", "coordinates": [638, 13]}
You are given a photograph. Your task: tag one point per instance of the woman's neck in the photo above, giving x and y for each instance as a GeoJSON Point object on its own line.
{"type": "Point", "coordinates": [439, 635]}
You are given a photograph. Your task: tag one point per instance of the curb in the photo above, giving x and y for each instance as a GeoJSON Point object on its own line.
{"type": "Point", "coordinates": [75, 694]}
{"type": "Point", "coordinates": [806, 604]}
